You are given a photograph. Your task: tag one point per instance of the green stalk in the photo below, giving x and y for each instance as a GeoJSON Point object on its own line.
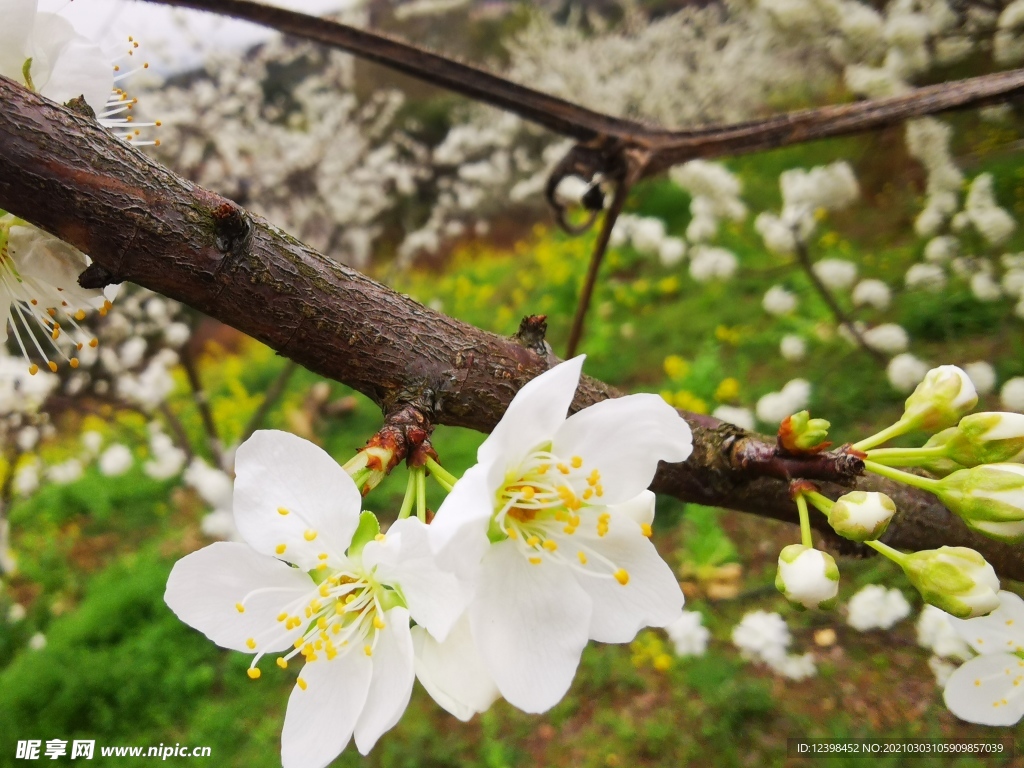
{"type": "Point", "coordinates": [822, 503]}
{"type": "Point", "coordinates": [893, 554]}
{"type": "Point", "coordinates": [446, 479]}
{"type": "Point", "coordinates": [905, 457]}
{"type": "Point", "coordinates": [915, 481]}
{"type": "Point", "coordinates": [893, 430]}
{"type": "Point", "coordinates": [805, 521]}
{"type": "Point", "coordinates": [421, 494]}
{"type": "Point", "coordinates": [410, 496]}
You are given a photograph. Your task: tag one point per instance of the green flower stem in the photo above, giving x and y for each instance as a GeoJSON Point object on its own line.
{"type": "Point", "coordinates": [446, 479]}
{"type": "Point", "coordinates": [822, 503]}
{"type": "Point", "coordinates": [893, 430]}
{"type": "Point", "coordinates": [805, 521]}
{"type": "Point", "coordinates": [905, 457]}
{"type": "Point", "coordinates": [916, 481]}
{"type": "Point", "coordinates": [893, 554]}
{"type": "Point", "coordinates": [410, 496]}
{"type": "Point", "coordinates": [421, 494]}
{"type": "Point", "coordinates": [359, 477]}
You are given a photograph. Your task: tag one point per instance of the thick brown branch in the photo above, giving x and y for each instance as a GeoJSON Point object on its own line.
{"type": "Point", "coordinates": [72, 178]}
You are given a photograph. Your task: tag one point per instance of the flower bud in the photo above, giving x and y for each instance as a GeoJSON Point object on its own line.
{"type": "Point", "coordinates": [989, 498]}
{"type": "Point", "coordinates": [987, 438]}
{"type": "Point", "coordinates": [800, 433]}
{"type": "Point", "coordinates": [861, 516]}
{"type": "Point", "coordinates": [956, 579]}
{"type": "Point", "coordinates": [945, 395]}
{"type": "Point", "coordinates": [807, 577]}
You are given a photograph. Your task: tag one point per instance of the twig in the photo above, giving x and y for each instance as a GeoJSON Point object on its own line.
{"type": "Point", "coordinates": [804, 259]}
{"type": "Point", "coordinates": [202, 402]}
{"type": "Point", "coordinates": [274, 392]}
{"type": "Point", "coordinates": [178, 429]}
{"type": "Point", "coordinates": [600, 248]}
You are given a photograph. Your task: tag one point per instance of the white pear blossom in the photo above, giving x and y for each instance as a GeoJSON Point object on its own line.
{"type": "Point", "coordinates": [982, 375]}
{"type": "Point", "coordinates": [929, 277]}
{"type": "Point", "coordinates": [873, 293]}
{"type": "Point", "coordinates": [935, 631]}
{"type": "Point", "coordinates": [793, 347]}
{"type": "Point", "coordinates": [711, 263]}
{"type": "Point", "coordinates": [316, 579]}
{"type": "Point", "coordinates": [888, 337]}
{"type": "Point", "coordinates": [61, 64]}
{"type": "Point", "coordinates": [115, 460]}
{"type": "Point", "coordinates": [551, 526]}
{"type": "Point", "coordinates": [741, 417]}
{"type": "Point", "coordinates": [989, 689]}
{"type": "Point", "coordinates": [836, 274]}
{"type": "Point", "coordinates": [688, 634]}
{"type": "Point", "coordinates": [807, 576]}
{"type": "Point", "coordinates": [761, 635]}
{"type": "Point", "coordinates": [905, 372]}
{"type": "Point", "coordinates": [1012, 394]}
{"type": "Point", "coordinates": [778, 301]}
{"type": "Point", "coordinates": [875, 607]}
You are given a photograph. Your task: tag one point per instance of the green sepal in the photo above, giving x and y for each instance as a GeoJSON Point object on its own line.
{"type": "Point", "coordinates": [367, 531]}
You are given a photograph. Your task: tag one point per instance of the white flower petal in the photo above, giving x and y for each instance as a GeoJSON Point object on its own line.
{"type": "Point", "coordinates": [391, 684]}
{"type": "Point", "coordinates": [624, 439]}
{"type": "Point", "coordinates": [66, 64]}
{"type": "Point", "coordinates": [15, 34]}
{"type": "Point", "coordinates": [988, 690]}
{"type": "Point", "coordinates": [998, 632]}
{"type": "Point", "coordinates": [458, 532]}
{"type": "Point", "coordinates": [639, 508]}
{"type": "Point", "coordinates": [320, 720]}
{"type": "Point", "coordinates": [530, 626]}
{"type": "Point", "coordinates": [279, 471]}
{"type": "Point", "coordinates": [406, 561]}
{"type": "Point", "coordinates": [651, 597]}
{"type": "Point", "coordinates": [452, 671]}
{"type": "Point", "coordinates": [534, 414]}
{"type": "Point", "coordinates": [205, 587]}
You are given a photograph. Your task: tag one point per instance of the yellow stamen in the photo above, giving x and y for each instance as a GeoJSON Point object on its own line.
{"type": "Point", "coordinates": [577, 462]}
{"type": "Point", "coordinates": [378, 622]}
{"type": "Point", "coordinates": [645, 528]}
{"type": "Point", "coordinates": [550, 545]}
{"type": "Point", "coordinates": [251, 643]}
{"type": "Point", "coordinates": [282, 662]}
{"type": "Point", "coordinates": [253, 672]}
{"type": "Point", "coordinates": [622, 576]}
{"type": "Point", "coordinates": [535, 560]}
{"type": "Point", "coordinates": [282, 511]}
{"type": "Point", "coordinates": [301, 683]}
{"type": "Point", "coordinates": [309, 535]}
{"type": "Point", "coordinates": [280, 548]}
{"type": "Point", "coordinates": [582, 557]}
{"type": "Point", "coordinates": [239, 607]}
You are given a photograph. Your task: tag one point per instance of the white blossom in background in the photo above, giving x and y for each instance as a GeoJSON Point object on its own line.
{"type": "Point", "coordinates": [712, 263]}
{"type": "Point", "coordinates": [875, 607]}
{"type": "Point", "coordinates": [905, 372]}
{"type": "Point", "coordinates": [773, 407]}
{"type": "Point", "coordinates": [65, 472]}
{"type": "Point", "coordinates": [988, 688]}
{"type": "Point", "coordinates": [889, 338]}
{"type": "Point", "coordinates": [836, 274]}
{"type": "Point", "coordinates": [985, 288]}
{"type": "Point", "coordinates": [671, 251]}
{"type": "Point", "coordinates": [20, 392]}
{"type": "Point", "coordinates": [688, 634]}
{"type": "Point", "coordinates": [942, 249]}
{"type": "Point", "coordinates": [714, 193]}
{"type": "Point", "coordinates": [929, 277]}
{"type": "Point", "coordinates": [116, 460]}
{"type": "Point", "coordinates": [37, 642]}
{"type": "Point", "coordinates": [777, 235]}
{"type": "Point", "coordinates": [778, 301]}
{"type": "Point", "coordinates": [942, 669]}
{"type": "Point", "coordinates": [16, 613]}
{"type": "Point", "coordinates": [1008, 43]}
{"type": "Point", "coordinates": [793, 347]}
{"type": "Point", "coordinates": [982, 375]}
{"type": "Point", "coordinates": [566, 502]}
{"type": "Point", "coordinates": [1012, 394]}
{"type": "Point", "coordinates": [928, 140]}
{"type": "Point", "coordinates": [992, 222]}
{"type": "Point", "coordinates": [166, 459]}
{"type": "Point", "coordinates": [648, 235]}
{"type": "Point", "coordinates": [764, 637]}
{"type": "Point", "coordinates": [872, 293]}
{"type": "Point", "coordinates": [26, 478]}
{"type": "Point", "coordinates": [741, 417]}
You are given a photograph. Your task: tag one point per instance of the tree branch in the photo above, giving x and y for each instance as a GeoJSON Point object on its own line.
{"type": "Point", "coordinates": [143, 223]}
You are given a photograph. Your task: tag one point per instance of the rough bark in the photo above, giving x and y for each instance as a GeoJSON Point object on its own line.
{"type": "Point", "coordinates": [142, 223]}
